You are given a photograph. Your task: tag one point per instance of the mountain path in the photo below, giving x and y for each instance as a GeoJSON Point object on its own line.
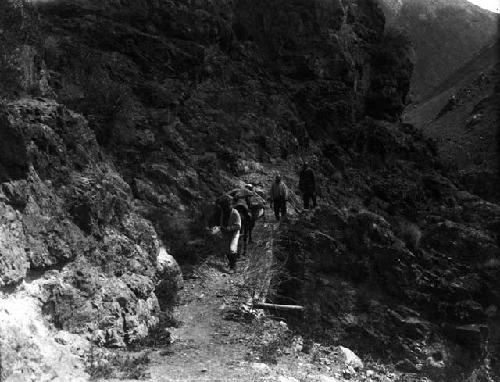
{"type": "Point", "coordinates": [214, 341]}
{"type": "Point", "coordinates": [220, 338]}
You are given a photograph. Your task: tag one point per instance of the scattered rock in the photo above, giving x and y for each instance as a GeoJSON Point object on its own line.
{"type": "Point", "coordinates": [282, 378]}
{"type": "Point", "coordinates": [261, 367]}
{"type": "Point", "coordinates": [325, 378]}
{"type": "Point", "coordinates": [348, 372]}
{"type": "Point", "coordinates": [64, 338]}
{"type": "Point", "coordinates": [433, 363]}
{"type": "Point", "coordinates": [458, 240]}
{"type": "Point", "coordinates": [406, 366]}
{"type": "Point", "coordinates": [298, 344]}
{"type": "Point", "coordinates": [351, 359]}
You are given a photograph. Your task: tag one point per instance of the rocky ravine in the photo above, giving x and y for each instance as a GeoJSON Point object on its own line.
{"type": "Point", "coordinates": [445, 35]}
{"type": "Point", "coordinates": [123, 117]}
{"type": "Point", "coordinates": [462, 116]}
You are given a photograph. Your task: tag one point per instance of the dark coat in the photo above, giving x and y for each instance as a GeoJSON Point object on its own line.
{"type": "Point", "coordinates": [307, 182]}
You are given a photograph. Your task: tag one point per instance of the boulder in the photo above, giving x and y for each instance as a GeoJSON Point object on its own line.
{"type": "Point", "coordinates": [351, 359]}
{"type": "Point", "coordinates": [169, 278]}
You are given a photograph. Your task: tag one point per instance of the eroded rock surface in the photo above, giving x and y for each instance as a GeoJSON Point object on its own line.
{"type": "Point", "coordinates": [69, 230]}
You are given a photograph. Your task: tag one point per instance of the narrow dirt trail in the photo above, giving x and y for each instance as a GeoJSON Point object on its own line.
{"type": "Point", "coordinates": [206, 346]}
{"type": "Point", "coordinates": [213, 341]}
{"type": "Point", "coordinates": [219, 339]}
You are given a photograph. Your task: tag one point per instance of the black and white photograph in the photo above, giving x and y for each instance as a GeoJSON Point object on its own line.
{"type": "Point", "coordinates": [249, 190]}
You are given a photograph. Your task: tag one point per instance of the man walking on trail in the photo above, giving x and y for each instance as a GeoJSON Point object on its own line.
{"type": "Point", "coordinates": [307, 185]}
{"type": "Point", "coordinates": [230, 226]}
{"type": "Point", "coordinates": [279, 197]}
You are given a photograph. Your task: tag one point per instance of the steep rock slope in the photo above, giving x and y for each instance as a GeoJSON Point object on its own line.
{"type": "Point", "coordinates": [445, 35]}
{"type": "Point", "coordinates": [462, 116]}
{"type": "Point", "coordinates": [70, 240]}
{"type": "Point", "coordinates": [406, 273]}
{"type": "Point", "coordinates": [170, 87]}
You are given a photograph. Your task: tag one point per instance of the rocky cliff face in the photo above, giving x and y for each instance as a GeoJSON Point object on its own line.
{"type": "Point", "coordinates": [161, 83]}
{"type": "Point", "coordinates": [71, 242]}
{"type": "Point", "coordinates": [445, 35]}
{"type": "Point", "coordinates": [73, 250]}
{"type": "Point", "coordinates": [147, 109]}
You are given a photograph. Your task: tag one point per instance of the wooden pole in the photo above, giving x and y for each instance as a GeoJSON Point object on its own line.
{"type": "Point", "coordinates": [264, 305]}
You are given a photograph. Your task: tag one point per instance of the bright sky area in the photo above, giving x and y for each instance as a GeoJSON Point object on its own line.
{"type": "Point", "coordinates": [492, 5]}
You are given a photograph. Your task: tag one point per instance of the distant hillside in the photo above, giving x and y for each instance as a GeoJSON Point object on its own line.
{"type": "Point", "coordinates": [462, 115]}
{"type": "Point", "coordinates": [445, 34]}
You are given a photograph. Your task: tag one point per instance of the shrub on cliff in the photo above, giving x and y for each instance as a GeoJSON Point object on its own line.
{"type": "Point", "coordinates": [411, 235]}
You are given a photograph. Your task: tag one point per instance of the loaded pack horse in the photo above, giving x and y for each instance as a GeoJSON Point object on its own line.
{"type": "Point", "coordinates": [250, 206]}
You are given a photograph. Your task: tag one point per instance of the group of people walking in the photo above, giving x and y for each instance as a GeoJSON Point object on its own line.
{"type": "Point", "coordinates": [241, 208]}
{"type": "Point", "coordinates": [279, 195]}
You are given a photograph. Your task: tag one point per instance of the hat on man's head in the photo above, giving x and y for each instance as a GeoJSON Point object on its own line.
{"type": "Point", "coordinates": [225, 202]}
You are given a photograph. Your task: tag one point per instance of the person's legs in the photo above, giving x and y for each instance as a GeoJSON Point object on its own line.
{"type": "Point", "coordinates": [276, 207]}
{"type": "Point", "coordinates": [233, 249]}
{"type": "Point", "coordinates": [230, 260]}
{"type": "Point", "coordinates": [244, 236]}
{"type": "Point", "coordinates": [313, 196]}
{"type": "Point", "coordinates": [305, 199]}
{"type": "Point", "coordinates": [283, 207]}
{"type": "Point", "coordinates": [251, 225]}
{"type": "Point", "coordinates": [227, 249]}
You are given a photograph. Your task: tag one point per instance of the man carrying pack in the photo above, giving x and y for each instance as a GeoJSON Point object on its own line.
{"type": "Point", "coordinates": [279, 197]}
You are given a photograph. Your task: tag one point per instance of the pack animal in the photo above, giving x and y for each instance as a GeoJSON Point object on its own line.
{"type": "Point", "coordinates": [211, 217]}
{"type": "Point", "coordinates": [251, 206]}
